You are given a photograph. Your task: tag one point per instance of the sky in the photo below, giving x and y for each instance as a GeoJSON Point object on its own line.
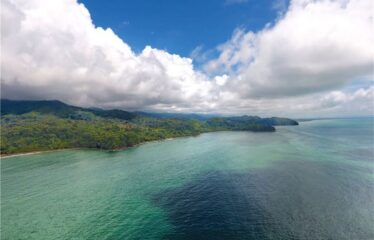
{"type": "Point", "coordinates": [297, 58]}
{"type": "Point", "coordinates": [180, 26]}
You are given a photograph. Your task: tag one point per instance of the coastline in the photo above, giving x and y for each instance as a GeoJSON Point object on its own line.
{"type": "Point", "coordinates": [138, 144]}
{"type": "Point", "coordinates": [3, 156]}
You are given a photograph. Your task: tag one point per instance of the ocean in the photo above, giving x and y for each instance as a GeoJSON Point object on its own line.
{"type": "Point", "coordinates": [312, 181]}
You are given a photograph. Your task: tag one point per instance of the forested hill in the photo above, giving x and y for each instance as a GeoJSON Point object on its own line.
{"type": "Point", "coordinates": [59, 109]}
{"type": "Point", "coordinates": [28, 126]}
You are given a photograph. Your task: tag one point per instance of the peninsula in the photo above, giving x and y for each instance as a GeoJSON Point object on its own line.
{"type": "Point", "coordinates": [29, 126]}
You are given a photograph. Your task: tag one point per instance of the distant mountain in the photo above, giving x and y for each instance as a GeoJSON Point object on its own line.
{"type": "Point", "coordinates": [245, 120]}
{"type": "Point", "coordinates": [59, 109]}
{"type": "Point", "coordinates": [193, 116]}
{"type": "Point", "coordinates": [249, 123]}
{"type": "Point", "coordinates": [276, 121]}
{"type": "Point", "coordinates": [45, 107]}
{"type": "Point", "coordinates": [64, 110]}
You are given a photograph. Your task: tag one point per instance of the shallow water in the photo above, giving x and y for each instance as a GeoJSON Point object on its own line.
{"type": "Point", "coordinates": [313, 181]}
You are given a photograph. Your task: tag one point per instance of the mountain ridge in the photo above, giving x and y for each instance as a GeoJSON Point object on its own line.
{"type": "Point", "coordinates": [28, 126]}
{"type": "Point", "coordinates": [66, 110]}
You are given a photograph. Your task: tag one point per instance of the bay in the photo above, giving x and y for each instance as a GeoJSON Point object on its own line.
{"type": "Point", "coordinates": [312, 181]}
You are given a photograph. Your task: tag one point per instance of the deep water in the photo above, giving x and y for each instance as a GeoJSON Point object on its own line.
{"type": "Point", "coordinates": [312, 181]}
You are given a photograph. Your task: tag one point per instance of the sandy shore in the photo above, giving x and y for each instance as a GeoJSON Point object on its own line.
{"type": "Point", "coordinates": [64, 149]}
{"type": "Point", "coordinates": [32, 153]}
{"type": "Point", "coordinates": [19, 154]}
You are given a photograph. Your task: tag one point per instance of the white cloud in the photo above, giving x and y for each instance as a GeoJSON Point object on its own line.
{"type": "Point", "coordinates": [52, 50]}
{"type": "Point", "coordinates": [315, 46]}
{"type": "Point", "coordinates": [50, 55]}
{"type": "Point", "coordinates": [339, 99]}
{"type": "Point", "coordinates": [221, 80]}
{"type": "Point", "coordinates": [358, 102]}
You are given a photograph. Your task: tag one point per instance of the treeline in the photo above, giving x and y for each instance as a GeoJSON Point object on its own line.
{"type": "Point", "coordinates": [28, 126]}
{"type": "Point", "coordinates": [35, 132]}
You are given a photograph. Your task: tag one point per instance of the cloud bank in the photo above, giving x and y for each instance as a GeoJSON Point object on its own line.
{"type": "Point", "coordinates": [308, 60]}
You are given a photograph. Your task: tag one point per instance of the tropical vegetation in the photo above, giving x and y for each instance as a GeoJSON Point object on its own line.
{"type": "Point", "coordinates": [28, 126]}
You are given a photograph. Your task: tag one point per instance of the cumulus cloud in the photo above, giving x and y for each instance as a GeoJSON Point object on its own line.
{"type": "Point", "coordinates": [339, 103]}
{"type": "Point", "coordinates": [52, 50]}
{"type": "Point", "coordinates": [342, 102]}
{"type": "Point", "coordinates": [50, 55]}
{"type": "Point", "coordinates": [315, 46]}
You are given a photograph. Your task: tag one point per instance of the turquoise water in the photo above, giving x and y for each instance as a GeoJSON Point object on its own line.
{"type": "Point", "coordinates": [313, 181]}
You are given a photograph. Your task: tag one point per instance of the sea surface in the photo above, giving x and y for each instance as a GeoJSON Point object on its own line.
{"type": "Point", "coordinates": [313, 181]}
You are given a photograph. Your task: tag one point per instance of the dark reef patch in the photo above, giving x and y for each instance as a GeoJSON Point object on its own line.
{"type": "Point", "coordinates": [269, 204]}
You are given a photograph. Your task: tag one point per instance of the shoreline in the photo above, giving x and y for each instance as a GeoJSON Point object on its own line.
{"type": "Point", "coordinates": [137, 145]}
{"type": "Point", "coordinates": [65, 149]}
{"type": "Point", "coordinates": [3, 156]}
{"type": "Point", "coordinates": [35, 152]}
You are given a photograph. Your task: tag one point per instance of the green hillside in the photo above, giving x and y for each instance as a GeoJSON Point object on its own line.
{"type": "Point", "coordinates": [28, 126]}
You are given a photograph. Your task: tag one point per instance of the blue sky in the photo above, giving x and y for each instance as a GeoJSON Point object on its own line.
{"type": "Point", "coordinates": [180, 26]}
